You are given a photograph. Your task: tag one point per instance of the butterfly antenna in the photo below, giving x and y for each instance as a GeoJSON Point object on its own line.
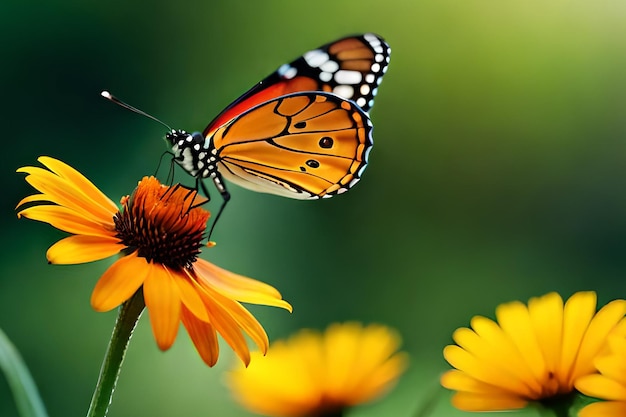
{"type": "Point", "coordinates": [119, 102]}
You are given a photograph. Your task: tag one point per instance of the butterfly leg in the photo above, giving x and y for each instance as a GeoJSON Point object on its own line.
{"type": "Point", "coordinates": [221, 187]}
{"type": "Point", "coordinates": [170, 174]}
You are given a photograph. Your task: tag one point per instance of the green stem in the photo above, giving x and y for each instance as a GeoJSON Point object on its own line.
{"type": "Point", "coordinates": [126, 321]}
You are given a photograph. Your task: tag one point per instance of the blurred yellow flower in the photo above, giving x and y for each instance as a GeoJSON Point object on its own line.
{"type": "Point", "coordinates": [609, 384]}
{"type": "Point", "coordinates": [532, 353]}
{"type": "Point", "coordinates": [159, 230]}
{"type": "Point", "coordinates": [313, 374]}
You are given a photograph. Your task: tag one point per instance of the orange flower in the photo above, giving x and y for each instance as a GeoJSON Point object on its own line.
{"type": "Point", "coordinates": [313, 374]}
{"type": "Point", "coordinates": [159, 230]}
{"type": "Point", "coordinates": [532, 353]}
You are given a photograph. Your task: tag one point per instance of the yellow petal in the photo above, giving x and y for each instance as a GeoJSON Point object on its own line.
{"type": "Point", "coordinates": [465, 362]}
{"type": "Point", "coordinates": [80, 249]}
{"type": "Point", "coordinates": [503, 353]}
{"type": "Point", "coordinates": [119, 282]}
{"type": "Point", "coordinates": [596, 337]}
{"type": "Point", "coordinates": [548, 332]}
{"type": "Point", "coordinates": [238, 287]}
{"type": "Point", "coordinates": [377, 349]}
{"type": "Point", "coordinates": [340, 343]}
{"type": "Point", "coordinates": [599, 386]}
{"type": "Point", "coordinates": [613, 365]}
{"type": "Point", "coordinates": [82, 183]}
{"type": "Point", "coordinates": [30, 199]}
{"type": "Point", "coordinates": [278, 384]}
{"type": "Point", "coordinates": [604, 409]}
{"type": "Point", "coordinates": [203, 337]}
{"type": "Point", "coordinates": [577, 314]}
{"type": "Point", "coordinates": [163, 302]}
{"type": "Point", "coordinates": [477, 402]}
{"type": "Point", "coordinates": [189, 294]}
{"type": "Point", "coordinates": [480, 359]}
{"type": "Point", "coordinates": [515, 321]}
{"type": "Point", "coordinates": [461, 381]}
{"type": "Point", "coordinates": [67, 220]}
{"type": "Point", "coordinates": [61, 192]}
{"type": "Point", "coordinates": [226, 326]}
{"type": "Point", "coordinates": [381, 379]}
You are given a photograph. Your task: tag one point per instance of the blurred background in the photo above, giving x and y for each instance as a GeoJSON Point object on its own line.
{"type": "Point", "coordinates": [497, 174]}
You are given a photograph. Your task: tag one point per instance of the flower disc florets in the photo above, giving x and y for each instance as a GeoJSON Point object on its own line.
{"type": "Point", "coordinates": [163, 224]}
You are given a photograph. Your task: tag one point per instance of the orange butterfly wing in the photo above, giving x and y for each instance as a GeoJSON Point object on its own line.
{"type": "Point", "coordinates": [350, 67]}
{"type": "Point", "coordinates": [304, 145]}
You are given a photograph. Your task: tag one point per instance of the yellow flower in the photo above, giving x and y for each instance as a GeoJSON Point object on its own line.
{"type": "Point", "coordinates": [532, 353]}
{"type": "Point", "coordinates": [609, 384]}
{"type": "Point", "coordinates": [159, 230]}
{"type": "Point", "coordinates": [313, 374]}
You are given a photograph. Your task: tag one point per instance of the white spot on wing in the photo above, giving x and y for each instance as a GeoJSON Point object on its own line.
{"type": "Point", "coordinates": [329, 66]}
{"type": "Point", "coordinates": [287, 71]}
{"type": "Point", "coordinates": [326, 76]}
{"type": "Point", "coordinates": [365, 89]}
{"type": "Point", "coordinates": [348, 77]}
{"type": "Point", "coordinates": [345, 91]}
{"type": "Point", "coordinates": [316, 58]}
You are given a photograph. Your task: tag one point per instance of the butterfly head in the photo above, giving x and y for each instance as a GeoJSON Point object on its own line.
{"type": "Point", "coordinates": [193, 153]}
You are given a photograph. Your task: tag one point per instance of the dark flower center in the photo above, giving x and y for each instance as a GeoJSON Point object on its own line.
{"type": "Point", "coordinates": [161, 225]}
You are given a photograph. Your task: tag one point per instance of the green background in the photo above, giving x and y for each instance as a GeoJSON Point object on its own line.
{"type": "Point", "coordinates": [497, 174]}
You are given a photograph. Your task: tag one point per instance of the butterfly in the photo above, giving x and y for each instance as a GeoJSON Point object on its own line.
{"type": "Point", "coordinates": [303, 132]}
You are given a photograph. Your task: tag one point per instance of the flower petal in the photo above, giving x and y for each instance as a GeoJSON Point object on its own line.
{"type": "Point", "coordinates": [189, 294]}
{"type": "Point", "coordinates": [378, 364]}
{"type": "Point", "coordinates": [578, 312]}
{"type": "Point", "coordinates": [67, 220]}
{"type": "Point", "coordinates": [220, 317]}
{"type": "Point", "coordinates": [203, 336]}
{"type": "Point", "coordinates": [501, 351]}
{"type": "Point", "coordinates": [80, 182]}
{"type": "Point", "coordinates": [548, 332]}
{"type": "Point", "coordinates": [515, 321]}
{"type": "Point", "coordinates": [119, 282]}
{"type": "Point", "coordinates": [596, 337]}
{"type": "Point", "coordinates": [59, 191]}
{"type": "Point", "coordinates": [599, 386]}
{"type": "Point", "coordinates": [238, 287]}
{"type": "Point", "coordinates": [613, 365]}
{"type": "Point", "coordinates": [461, 381]}
{"type": "Point", "coordinates": [80, 249]}
{"type": "Point", "coordinates": [481, 369]}
{"type": "Point", "coordinates": [244, 319]}
{"type": "Point", "coordinates": [604, 409]}
{"type": "Point", "coordinates": [480, 358]}
{"type": "Point", "coordinates": [478, 402]}
{"type": "Point", "coordinates": [164, 306]}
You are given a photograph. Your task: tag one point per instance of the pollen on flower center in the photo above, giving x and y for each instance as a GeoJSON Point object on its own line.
{"type": "Point", "coordinates": [162, 223]}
